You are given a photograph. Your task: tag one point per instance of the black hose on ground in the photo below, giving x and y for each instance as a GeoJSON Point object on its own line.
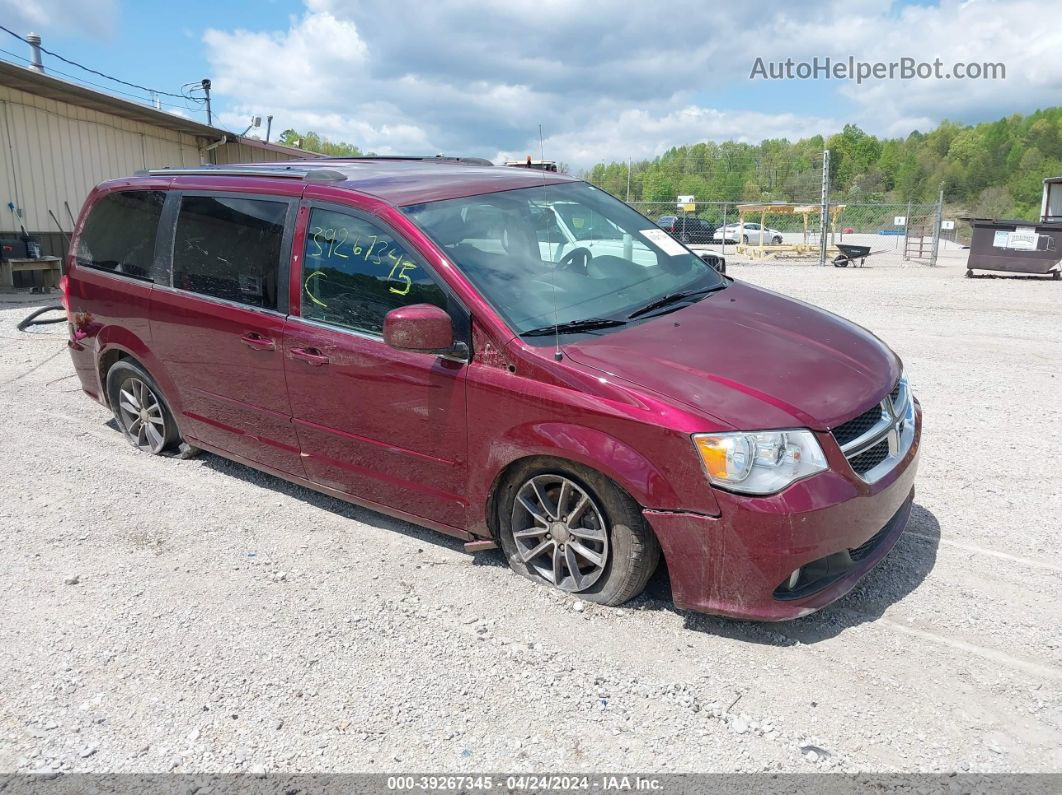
{"type": "Point", "coordinates": [30, 320]}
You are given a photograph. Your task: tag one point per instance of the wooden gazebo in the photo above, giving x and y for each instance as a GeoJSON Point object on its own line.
{"type": "Point", "coordinates": [763, 248]}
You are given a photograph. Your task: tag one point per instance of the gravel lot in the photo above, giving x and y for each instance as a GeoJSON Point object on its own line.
{"type": "Point", "coordinates": [224, 620]}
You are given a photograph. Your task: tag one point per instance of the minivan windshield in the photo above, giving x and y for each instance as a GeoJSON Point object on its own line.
{"type": "Point", "coordinates": [561, 254]}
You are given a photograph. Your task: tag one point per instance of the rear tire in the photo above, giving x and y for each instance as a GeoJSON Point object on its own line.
{"type": "Point", "coordinates": [745, 239]}
{"type": "Point", "coordinates": [599, 548]}
{"type": "Point", "coordinates": [140, 408]}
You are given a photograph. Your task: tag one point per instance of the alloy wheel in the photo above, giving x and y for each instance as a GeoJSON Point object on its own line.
{"type": "Point", "coordinates": [142, 416]}
{"type": "Point", "coordinates": [560, 532]}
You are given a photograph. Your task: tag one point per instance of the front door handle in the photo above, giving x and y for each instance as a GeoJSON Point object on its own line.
{"type": "Point", "coordinates": [311, 356]}
{"type": "Point", "coordinates": [255, 341]}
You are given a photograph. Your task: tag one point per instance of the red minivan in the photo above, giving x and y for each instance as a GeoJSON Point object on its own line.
{"type": "Point", "coordinates": [510, 356]}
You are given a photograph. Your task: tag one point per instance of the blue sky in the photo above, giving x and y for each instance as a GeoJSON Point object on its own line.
{"type": "Point", "coordinates": [605, 79]}
{"type": "Point", "coordinates": [158, 45]}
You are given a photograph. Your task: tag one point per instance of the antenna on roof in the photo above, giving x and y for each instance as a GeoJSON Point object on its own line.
{"type": "Point", "coordinates": [256, 122]}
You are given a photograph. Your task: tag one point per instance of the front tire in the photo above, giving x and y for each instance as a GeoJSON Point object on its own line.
{"type": "Point", "coordinates": [141, 411]}
{"type": "Point", "coordinates": [777, 240]}
{"type": "Point", "coordinates": [569, 527]}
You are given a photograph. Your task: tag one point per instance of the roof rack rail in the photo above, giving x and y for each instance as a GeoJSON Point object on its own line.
{"type": "Point", "coordinates": [471, 161]}
{"type": "Point", "coordinates": [283, 172]}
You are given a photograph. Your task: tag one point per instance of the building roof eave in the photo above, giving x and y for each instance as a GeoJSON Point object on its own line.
{"type": "Point", "coordinates": [44, 85]}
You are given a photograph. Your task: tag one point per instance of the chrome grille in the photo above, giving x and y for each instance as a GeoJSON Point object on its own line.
{"type": "Point", "coordinates": [876, 440]}
{"type": "Point", "coordinates": [870, 458]}
{"type": "Point", "coordinates": [854, 428]}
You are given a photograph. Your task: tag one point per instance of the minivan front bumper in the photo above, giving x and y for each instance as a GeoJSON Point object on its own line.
{"type": "Point", "coordinates": [833, 527]}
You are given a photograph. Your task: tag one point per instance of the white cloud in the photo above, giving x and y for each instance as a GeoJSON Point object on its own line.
{"type": "Point", "coordinates": [609, 79]}
{"type": "Point", "coordinates": [383, 138]}
{"type": "Point", "coordinates": [96, 17]}
{"type": "Point", "coordinates": [309, 65]}
{"type": "Point", "coordinates": [638, 134]}
{"type": "Point", "coordinates": [1024, 35]}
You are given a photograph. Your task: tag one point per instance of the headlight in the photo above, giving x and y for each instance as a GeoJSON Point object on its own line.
{"type": "Point", "coordinates": [762, 462]}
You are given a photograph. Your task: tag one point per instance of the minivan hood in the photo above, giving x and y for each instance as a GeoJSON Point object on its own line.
{"type": "Point", "coordinates": [752, 359]}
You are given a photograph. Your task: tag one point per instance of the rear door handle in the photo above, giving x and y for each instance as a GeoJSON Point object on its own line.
{"type": "Point", "coordinates": [255, 341]}
{"type": "Point", "coordinates": [311, 356]}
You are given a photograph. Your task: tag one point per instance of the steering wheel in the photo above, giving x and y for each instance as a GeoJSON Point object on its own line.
{"type": "Point", "coordinates": [576, 260]}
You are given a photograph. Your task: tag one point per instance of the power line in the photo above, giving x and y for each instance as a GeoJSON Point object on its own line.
{"type": "Point", "coordinates": [95, 72]}
{"type": "Point", "coordinates": [108, 89]}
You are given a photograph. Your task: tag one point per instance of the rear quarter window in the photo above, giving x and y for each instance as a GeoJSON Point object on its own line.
{"type": "Point", "coordinates": [119, 233]}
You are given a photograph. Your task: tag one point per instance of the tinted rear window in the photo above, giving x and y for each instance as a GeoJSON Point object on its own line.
{"type": "Point", "coordinates": [119, 234]}
{"type": "Point", "coordinates": [230, 248]}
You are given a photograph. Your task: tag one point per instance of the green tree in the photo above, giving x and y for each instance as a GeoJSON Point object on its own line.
{"type": "Point", "coordinates": [312, 142]}
{"type": "Point", "coordinates": [997, 165]}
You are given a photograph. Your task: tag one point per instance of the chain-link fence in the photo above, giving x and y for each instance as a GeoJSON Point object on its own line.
{"type": "Point", "coordinates": [804, 205]}
{"type": "Point", "coordinates": [908, 230]}
{"type": "Point", "coordinates": [776, 230]}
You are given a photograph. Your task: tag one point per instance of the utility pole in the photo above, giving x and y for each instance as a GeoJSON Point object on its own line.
{"type": "Point", "coordinates": [723, 227]}
{"type": "Point", "coordinates": [206, 90]}
{"type": "Point", "coordinates": [824, 207]}
{"type": "Point", "coordinates": [269, 127]}
{"type": "Point", "coordinates": [907, 233]}
{"type": "Point", "coordinates": [936, 228]}
{"type": "Point", "coordinates": [628, 179]}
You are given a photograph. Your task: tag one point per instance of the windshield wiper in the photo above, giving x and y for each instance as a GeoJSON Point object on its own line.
{"type": "Point", "coordinates": [672, 298]}
{"type": "Point", "coordinates": [586, 324]}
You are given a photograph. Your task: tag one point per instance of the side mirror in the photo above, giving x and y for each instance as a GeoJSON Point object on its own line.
{"type": "Point", "coordinates": [715, 261]}
{"type": "Point", "coordinates": [421, 328]}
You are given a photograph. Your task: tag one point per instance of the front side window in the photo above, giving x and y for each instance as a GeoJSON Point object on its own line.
{"type": "Point", "coordinates": [610, 263]}
{"type": "Point", "coordinates": [354, 273]}
{"type": "Point", "coordinates": [230, 248]}
{"type": "Point", "coordinates": [119, 234]}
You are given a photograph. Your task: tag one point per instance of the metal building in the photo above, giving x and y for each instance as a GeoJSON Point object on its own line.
{"type": "Point", "coordinates": [59, 139]}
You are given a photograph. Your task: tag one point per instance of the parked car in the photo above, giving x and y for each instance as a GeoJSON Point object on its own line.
{"type": "Point", "coordinates": [396, 333]}
{"type": "Point", "coordinates": [564, 226]}
{"type": "Point", "coordinates": [748, 233]}
{"type": "Point", "coordinates": [688, 229]}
